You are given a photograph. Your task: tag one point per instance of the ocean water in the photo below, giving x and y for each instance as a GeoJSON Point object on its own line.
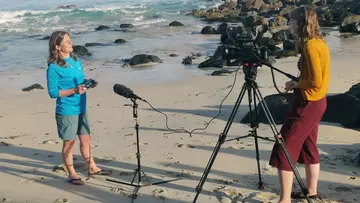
{"type": "Point", "coordinates": [24, 23]}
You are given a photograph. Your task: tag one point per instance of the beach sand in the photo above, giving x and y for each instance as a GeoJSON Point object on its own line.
{"type": "Point", "coordinates": [30, 148]}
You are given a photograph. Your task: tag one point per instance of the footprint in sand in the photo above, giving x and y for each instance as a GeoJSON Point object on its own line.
{"type": "Point", "coordinates": [184, 146]}
{"type": "Point", "coordinates": [225, 194]}
{"type": "Point", "coordinates": [180, 174]}
{"type": "Point", "coordinates": [266, 196]}
{"type": "Point", "coordinates": [51, 141]}
{"type": "Point", "coordinates": [105, 159]}
{"type": "Point", "coordinates": [2, 199]}
{"type": "Point", "coordinates": [160, 194]}
{"type": "Point", "coordinates": [61, 200]}
{"type": "Point", "coordinates": [236, 147]}
{"type": "Point", "coordinates": [31, 180]}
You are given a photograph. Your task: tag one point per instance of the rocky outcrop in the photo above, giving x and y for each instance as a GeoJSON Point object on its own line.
{"type": "Point", "coordinates": [144, 59]}
{"type": "Point", "coordinates": [341, 108]}
{"type": "Point", "coordinates": [81, 50]}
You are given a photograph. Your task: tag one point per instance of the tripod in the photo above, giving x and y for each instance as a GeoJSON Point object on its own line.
{"type": "Point", "coordinates": [250, 85]}
{"type": "Point", "coordinates": [138, 170]}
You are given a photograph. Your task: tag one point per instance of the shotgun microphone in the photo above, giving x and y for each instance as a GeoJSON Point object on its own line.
{"type": "Point", "coordinates": [126, 92]}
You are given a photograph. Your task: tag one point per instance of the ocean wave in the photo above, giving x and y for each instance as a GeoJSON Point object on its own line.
{"type": "Point", "coordinates": [144, 12]}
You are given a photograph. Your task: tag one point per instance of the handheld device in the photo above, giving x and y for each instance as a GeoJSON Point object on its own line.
{"type": "Point", "coordinates": [89, 83]}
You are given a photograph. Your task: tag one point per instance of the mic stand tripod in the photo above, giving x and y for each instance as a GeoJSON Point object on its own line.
{"type": "Point", "coordinates": [138, 170]}
{"type": "Point", "coordinates": [250, 85]}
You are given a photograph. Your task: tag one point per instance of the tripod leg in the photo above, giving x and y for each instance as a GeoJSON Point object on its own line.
{"type": "Point", "coordinates": [221, 140]}
{"type": "Point", "coordinates": [254, 126]}
{"type": "Point", "coordinates": [280, 141]}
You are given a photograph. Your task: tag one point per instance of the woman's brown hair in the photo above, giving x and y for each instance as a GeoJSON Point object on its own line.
{"type": "Point", "coordinates": [55, 40]}
{"type": "Point", "coordinates": [308, 23]}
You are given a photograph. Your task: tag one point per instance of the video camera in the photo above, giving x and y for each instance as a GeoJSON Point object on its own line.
{"type": "Point", "coordinates": [243, 45]}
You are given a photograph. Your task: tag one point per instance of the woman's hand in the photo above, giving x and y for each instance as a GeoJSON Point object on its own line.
{"type": "Point", "coordinates": [80, 89]}
{"type": "Point", "coordinates": [290, 85]}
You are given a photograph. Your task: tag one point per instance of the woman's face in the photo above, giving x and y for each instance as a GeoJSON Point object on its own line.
{"type": "Point", "coordinates": [66, 45]}
{"type": "Point", "coordinates": [294, 27]}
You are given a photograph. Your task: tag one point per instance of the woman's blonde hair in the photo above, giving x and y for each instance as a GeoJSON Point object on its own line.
{"type": "Point", "coordinates": [308, 22]}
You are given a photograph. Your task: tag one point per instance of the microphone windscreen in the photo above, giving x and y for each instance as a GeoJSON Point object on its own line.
{"type": "Point", "coordinates": [123, 90]}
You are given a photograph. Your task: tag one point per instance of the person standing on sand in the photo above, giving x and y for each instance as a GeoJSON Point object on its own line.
{"type": "Point", "coordinates": [65, 75]}
{"type": "Point", "coordinates": [300, 129]}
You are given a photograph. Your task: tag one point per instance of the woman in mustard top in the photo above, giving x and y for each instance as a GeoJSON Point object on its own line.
{"type": "Point", "coordinates": [300, 129]}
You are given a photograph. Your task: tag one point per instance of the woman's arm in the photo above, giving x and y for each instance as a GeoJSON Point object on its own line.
{"type": "Point", "coordinates": [53, 84]}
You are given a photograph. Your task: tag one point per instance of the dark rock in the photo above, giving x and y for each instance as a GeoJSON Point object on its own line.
{"type": "Point", "coordinates": [289, 45]}
{"type": "Point", "coordinates": [93, 44]}
{"type": "Point", "coordinates": [81, 50]}
{"type": "Point", "coordinates": [143, 59]}
{"type": "Point", "coordinates": [102, 27]}
{"type": "Point", "coordinates": [251, 5]}
{"type": "Point", "coordinates": [282, 35]}
{"type": "Point", "coordinates": [187, 60]}
{"type": "Point", "coordinates": [71, 6]}
{"type": "Point", "coordinates": [279, 107]}
{"type": "Point", "coordinates": [350, 24]}
{"type": "Point", "coordinates": [341, 108]}
{"type": "Point", "coordinates": [269, 43]}
{"type": "Point", "coordinates": [222, 72]}
{"type": "Point", "coordinates": [278, 21]}
{"type": "Point", "coordinates": [222, 28]}
{"type": "Point", "coordinates": [354, 91]}
{"type": "Point", "coordinates": [286, 53]}
{"type": "Point", "coordinates": [119, 41]}
{"type": "Point", "coordinates": [208, 30]}
{"type": "Point", "coordinates": [176, 23]}
{"type": "Point", "coordinates": [32, 87]}
{"type": "Point", "coordinates": [173, 55]}
{"type": "Point", "coordinates": [215, 61]}
{"type": "Point", "coordinates": [126, 25]}
{"type": "Point", "coordinates": [45, 38]}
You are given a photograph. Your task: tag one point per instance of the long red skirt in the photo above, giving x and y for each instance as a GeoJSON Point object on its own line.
{"type": "Point", "coordinates": [300, 132]}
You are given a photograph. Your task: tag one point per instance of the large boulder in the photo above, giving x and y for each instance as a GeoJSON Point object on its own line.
{"type": "Point", "coordinates": [81, 50]}
{"type": "Point", "coordinates": [144, 59]}
{"type": "Point", "coordinates": [350, 23]}
{"type": "Point", "coordinates": [341, 108]}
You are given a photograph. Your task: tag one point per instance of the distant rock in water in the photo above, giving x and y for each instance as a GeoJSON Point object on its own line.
{"type": "Point", "coordinates": [176, 23]}
{"type": "Point", "coordinates": [126, 25]}
{"type": "Point", "coordinates": [45, 38]}
{"type": "Point", "coordinates": [81, 50]}
{"type": "Point", "coordinates": [32, 87]}
{"type": "Point", "coordinates": [144, 59]}
{"type": "Point", "coordinates": [120, 41]}
{"type": "Point", "coordinates": [102, 27]}
{"type": "Point", "coordinates": [91, 44]}
{"type": "Point", "coordinates": [71, 6]}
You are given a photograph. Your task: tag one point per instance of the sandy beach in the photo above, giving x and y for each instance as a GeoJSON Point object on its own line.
{"type": "Point", "coordinates": [30, 148]}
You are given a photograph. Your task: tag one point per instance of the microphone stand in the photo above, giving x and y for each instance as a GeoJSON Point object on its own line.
{"type": "Point", "coordinates": [138, 170]}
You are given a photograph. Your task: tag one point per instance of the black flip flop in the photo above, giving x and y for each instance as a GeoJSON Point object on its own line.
{"type": "Point", "coordinates": [76, 181]}
{"type": "Point", "coordinates": [102, 172]}
{"type": "Point", "coordinates": [300, 195]}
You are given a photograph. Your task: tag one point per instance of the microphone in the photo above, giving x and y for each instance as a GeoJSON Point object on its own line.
{"type": "Point", "coordinates": [126, 92]}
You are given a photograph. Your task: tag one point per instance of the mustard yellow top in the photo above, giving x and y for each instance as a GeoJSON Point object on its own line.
{"type": "Point", "coordinates": [315, 70]}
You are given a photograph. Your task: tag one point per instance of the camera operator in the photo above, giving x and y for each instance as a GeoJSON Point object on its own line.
{"type": "Point", "coordinates": [300, 129]}
{"type": "Point", "coordinates": [65, 76]}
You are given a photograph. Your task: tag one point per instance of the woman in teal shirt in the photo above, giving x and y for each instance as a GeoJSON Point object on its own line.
{"type": "Point", "coordinates": [65, 76]}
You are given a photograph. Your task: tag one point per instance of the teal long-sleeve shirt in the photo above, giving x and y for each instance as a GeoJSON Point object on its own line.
{"type": "Point", "coordinates": [64, 78]}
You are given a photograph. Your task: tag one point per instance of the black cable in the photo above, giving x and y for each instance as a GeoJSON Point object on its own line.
{"type": "Point", "coordinates": [190, 132]}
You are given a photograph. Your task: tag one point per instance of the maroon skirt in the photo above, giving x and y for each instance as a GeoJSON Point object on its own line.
{"type": "Point", "coordinates": [300, 132]}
